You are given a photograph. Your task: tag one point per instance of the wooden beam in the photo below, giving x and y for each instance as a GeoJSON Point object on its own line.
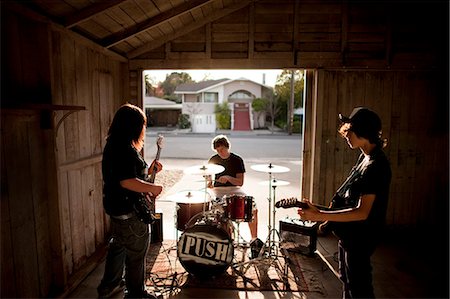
{"type": "Point", "coordinates": [251, 31]}
{"type": "Point", "coordinates": [295, 31]}
{"type": "Point", "coordinates": [261, 63]}
{"type": "Point", "coordinates": [215, 16]}
{"type": "Point", "coordinates": [152, 22]}
{"type": "Point", "coordinates": [90, 12]}
{"type": "Point", "coordinates": [344, 32]}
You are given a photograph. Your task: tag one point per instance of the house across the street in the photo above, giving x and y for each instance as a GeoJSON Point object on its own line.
{"type": "Point", "coordinates": [199, 101]}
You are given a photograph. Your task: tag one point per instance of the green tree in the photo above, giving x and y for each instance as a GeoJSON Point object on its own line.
{"type": "Point", "coordinates": [223, 116]}
{"type": "Point", "coordinates": [260, 106]}
{"type": "Point", "coordinates": [283, 94]}
{"type": "Point", "coordinates": [172, 81]}
{"type": "Point", "coordinates": [150, 89]}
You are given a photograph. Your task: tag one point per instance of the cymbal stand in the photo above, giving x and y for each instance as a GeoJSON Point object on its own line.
{"type": "Point", "coordinates": [238, 235]}
{"type": "Point", "coordinates": [273, 232]}
{"type": "Point", "coordinates": [269, 253]}
{"type": "Point", "coordinates": [205, 176]}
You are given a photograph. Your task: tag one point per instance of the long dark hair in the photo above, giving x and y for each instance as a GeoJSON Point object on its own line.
{"type": "Point", "coordinates": [127, 124]}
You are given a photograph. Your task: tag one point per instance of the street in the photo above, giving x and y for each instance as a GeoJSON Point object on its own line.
{"type": "Point", "coordinates": [249, 147]}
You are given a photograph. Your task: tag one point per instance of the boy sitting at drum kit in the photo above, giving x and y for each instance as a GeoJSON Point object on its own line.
{"type": "Point", "coordinates": [228, 183]}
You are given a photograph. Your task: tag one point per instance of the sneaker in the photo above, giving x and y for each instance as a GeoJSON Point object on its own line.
{"type": "Point", "coordinates": [108, 292]}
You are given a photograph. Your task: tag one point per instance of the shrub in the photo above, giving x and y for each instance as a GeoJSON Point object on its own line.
{"type": "Point", "coordinates": [183, 121]}
{"type": "Point", "coordinates": [223, 116]}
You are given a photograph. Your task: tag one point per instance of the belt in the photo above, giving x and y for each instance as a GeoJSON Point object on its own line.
{"type": "Point", "coordinates": [125, 216]}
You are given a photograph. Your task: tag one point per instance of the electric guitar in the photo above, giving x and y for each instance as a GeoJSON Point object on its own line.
{"type": "Point", "coordinates": [145, 205]}
{"type": "Point", "coordinates": [291, 202]}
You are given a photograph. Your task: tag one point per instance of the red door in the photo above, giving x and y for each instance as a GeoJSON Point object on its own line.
{"type": "Point", "coordinates": [241, 117]}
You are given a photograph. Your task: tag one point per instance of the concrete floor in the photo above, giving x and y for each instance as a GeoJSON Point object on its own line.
{"type": "Point", "coordinates": [405, 265]}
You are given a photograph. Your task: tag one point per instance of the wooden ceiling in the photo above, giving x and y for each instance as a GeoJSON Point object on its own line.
{"type": "Point", "coordinates": [264, 33]}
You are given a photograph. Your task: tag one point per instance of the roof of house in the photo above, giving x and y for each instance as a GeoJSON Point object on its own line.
{"type": "Point", "coordinates": [205, 85]}
{"type": "Point", "coordinates": [155, 103]}
{"type": "Point", "coordinates": [195, 87]}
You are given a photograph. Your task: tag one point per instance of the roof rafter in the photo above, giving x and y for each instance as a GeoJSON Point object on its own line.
{"type": "Point", "coordinates": [145, 25]}
{"type": "Point", "coordinates": [215, 16]}
{"type": "Point", "coordinates": [90, 12]}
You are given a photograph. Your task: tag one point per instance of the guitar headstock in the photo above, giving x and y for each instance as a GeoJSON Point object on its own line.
{"type": "Point", "coordinates": [291, 203]}
{"type": "Point", "coordinates": [160, 141]}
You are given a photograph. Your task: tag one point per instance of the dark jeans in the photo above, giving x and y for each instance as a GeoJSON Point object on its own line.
{"type": "Point", "coordinates": [127, 248]}
{"type": "Point", "coordinates": [356, 271]}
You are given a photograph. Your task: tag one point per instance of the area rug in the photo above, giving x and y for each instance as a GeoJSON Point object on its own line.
{"type": "Point", "coordinates": [282, 272]}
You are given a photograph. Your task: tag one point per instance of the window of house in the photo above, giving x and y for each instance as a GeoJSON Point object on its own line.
{"type": "Point", "coordinates": [211, 97]}
{"type": "Point", "coordinates": [241, 94]}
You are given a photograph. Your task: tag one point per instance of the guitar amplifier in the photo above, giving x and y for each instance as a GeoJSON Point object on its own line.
{"type": "Point", "coordinates": [300, 235]}
{"type": "Point", "coordinates": [157, 228]}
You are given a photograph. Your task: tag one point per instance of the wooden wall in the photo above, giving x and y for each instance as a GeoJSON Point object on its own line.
{"type": "Point", "coordinates": [27, 216]}
{"type": "Point", "coordinates": [82, 76]}
{"type": "Point", "coordinates": [413, 106]}
{"type": "Point", "coordinates": [52, 217]}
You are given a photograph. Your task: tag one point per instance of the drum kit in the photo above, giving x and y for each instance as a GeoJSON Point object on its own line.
{"type": "Point", "coordinates": [206, 245]}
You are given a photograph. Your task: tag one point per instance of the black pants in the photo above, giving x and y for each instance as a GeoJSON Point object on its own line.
{"type": "Point", "coordinates": [356, 271]}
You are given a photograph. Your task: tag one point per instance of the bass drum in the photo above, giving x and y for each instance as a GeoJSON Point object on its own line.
{"type": "Point", "coordinates": [205, 250]}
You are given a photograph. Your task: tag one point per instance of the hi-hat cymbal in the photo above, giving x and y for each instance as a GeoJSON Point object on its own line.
{"type": "Point", "coordinates": [189, 197]}
{"type": "Point", "coordinates": [274, 183]}
{"type": "Point", "coordinates": [269, 168]}
{"type": "Point", "coordinates": [206, 169]}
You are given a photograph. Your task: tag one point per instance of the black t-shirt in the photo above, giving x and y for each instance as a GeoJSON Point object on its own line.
{"type": "Point", "coordinates": [233, 165]}
{"type": "Point", "coordinates": [370, 175]}
{"type": "Point", "coordinates": [120, 162]}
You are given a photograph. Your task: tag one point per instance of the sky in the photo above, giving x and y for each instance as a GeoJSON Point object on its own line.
{"type": "Point", "coordinates": [199, 75]}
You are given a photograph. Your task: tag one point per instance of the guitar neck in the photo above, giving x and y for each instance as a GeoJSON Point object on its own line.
{"type": "Point", "coordinates": [153, 173]}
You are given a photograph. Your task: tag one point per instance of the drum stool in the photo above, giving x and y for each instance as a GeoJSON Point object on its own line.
{"type": "Point", "coordinates": [302, 233]}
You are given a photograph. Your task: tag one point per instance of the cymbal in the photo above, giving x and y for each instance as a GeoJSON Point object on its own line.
{"type": "Point", "coordinates": [189, 197]}
{"type": "Point", "coordinates": [205, 169]}
{"type": "Point", "coordinates": [275, 183]}
{"type": "Point", "coordinates": [269, 168]}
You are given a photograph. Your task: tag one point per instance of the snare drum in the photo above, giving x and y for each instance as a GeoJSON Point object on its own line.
{"type": "Point", "coordinates": [205, 250]}
{"type": "Point", "coordinates": [239, 207]}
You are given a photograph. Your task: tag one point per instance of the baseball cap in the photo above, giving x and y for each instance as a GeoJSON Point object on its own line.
{"type": "Point", "coordinates": [365, 122]}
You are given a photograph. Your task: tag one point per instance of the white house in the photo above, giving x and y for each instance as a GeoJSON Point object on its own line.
{"type": "Point", "coordinates": [199, 100]}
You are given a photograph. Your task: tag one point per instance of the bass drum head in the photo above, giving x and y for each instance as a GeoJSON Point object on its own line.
{"type": "Point", "coordinates": [205, 250]}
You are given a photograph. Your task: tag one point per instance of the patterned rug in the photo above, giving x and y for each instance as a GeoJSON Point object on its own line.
{"type": "Point", "coordinates": [284, 272]}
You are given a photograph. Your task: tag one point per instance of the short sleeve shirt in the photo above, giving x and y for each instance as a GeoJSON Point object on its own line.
{"type": "Point", "coordinates": [233, 165]}
{"type": "Point", "coordinates": [370, 175]}
{"type": "Point", "coordinates": [120, 162]}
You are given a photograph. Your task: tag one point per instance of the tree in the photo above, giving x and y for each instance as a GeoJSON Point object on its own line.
{"type": "Point", "coordinates": [172, 81]}
{"type": "Point", "coordinates": [150, 89]}
{"type": "Point", "coordinates": [260, 106]}
{"type": "Point", "coordinates": [283, 94]}
{"type": "Point", "coordinates": [223, 116]}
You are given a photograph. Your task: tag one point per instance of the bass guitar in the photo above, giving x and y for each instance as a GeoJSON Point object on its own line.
{"type": "Point", "coordinates": [145, 205]}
